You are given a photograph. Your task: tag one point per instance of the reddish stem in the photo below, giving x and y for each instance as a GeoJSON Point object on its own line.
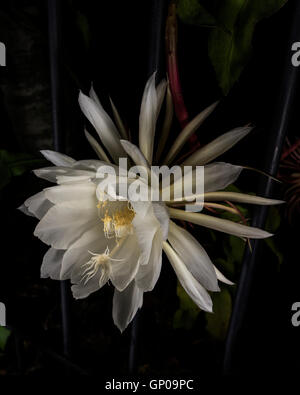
{"type": "Point", "coordinates": [289, 150]}
{"type": "Point", "coordinates": [172, 65]}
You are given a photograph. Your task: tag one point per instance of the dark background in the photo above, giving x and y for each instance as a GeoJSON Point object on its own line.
{"type": "Point", "coordinates": [113, 52]}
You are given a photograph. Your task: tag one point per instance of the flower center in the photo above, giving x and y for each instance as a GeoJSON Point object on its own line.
{"type": "Point", "coordinates": [116, 217]}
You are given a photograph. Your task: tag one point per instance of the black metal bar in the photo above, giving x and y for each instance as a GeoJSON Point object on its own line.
{"type": "Point", "coordinates": [155, 63]}
{"type": "Point", "coordinates": [55, 53]}
{"type": "Point", "coordinates": [276, 138]}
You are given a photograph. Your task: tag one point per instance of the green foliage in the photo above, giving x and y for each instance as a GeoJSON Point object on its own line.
{"type": "Point", "coordinates": [218, 321]}
{"type": "Point", "coordinates": [4, 335]}
{"type": "Point", "coordinates": [84, 28]}
{"type": "Point", "coordinates": [187, 313]}
{"type": "Point", "coordinates": [229, 43]}
{"type": "Point", "coordinates": [12, 165]}
{"type": "Point", "coordinates": [192, 12]}
{"type": "Point", "coordinates": [272, 225]}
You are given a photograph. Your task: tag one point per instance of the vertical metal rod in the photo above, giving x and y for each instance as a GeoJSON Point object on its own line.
{"type": "Point", "coordinates": [276, 138]}
{"type": "Point", "coordinates": [155, 63]}
{"type": "Point", "coordinates": [54, 29]}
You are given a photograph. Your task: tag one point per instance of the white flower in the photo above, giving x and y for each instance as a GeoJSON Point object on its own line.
{"type": "Point", "coordinates": [93, 240]}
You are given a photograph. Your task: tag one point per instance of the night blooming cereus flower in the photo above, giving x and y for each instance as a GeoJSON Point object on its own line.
{"type": "Point", "coordinates": [94, 240]}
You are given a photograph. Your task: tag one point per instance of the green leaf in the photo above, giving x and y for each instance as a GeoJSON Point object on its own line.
{"type": "Point", "coordinates": [193, 13]}
{"type": "Point", "coordinates": [218, 321]}
{"type": "Point", "coordinates": [188, 311]}
{"type": "Point", "coordinates": [272, 224]}
{"type": "Point", "coordinates": [273, 219]}
{"type": "Point", "coordinates": [15, 164]}
{"type": "Point", "coordinates": [230, 43]}
{"type": "Point", "coordinates": [234, 249]}
{"type": "Point", "coordinates": [4, 335]}
{"type": "Point", "coordinates": [84, 28]}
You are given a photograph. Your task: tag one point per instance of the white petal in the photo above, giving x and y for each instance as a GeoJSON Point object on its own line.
{"type": "Point", "coordinates": [103, 125]}
{"type": "Point", "coordinates": [119, 121]}
{"type": "Point", "coordinates": [65, 223]}
{"type": "Point", "coordinates": [57, 158]}
{"type": "Point", "coordinates": [194, 289]}
{"type": "Point", "coordinates": [219, 175]}
{"type": "Point", "coordinates": [217, 147]}
{"type": "Point", "coordinates": [189, 129]}
{"type": "Point", "coordinates": [148, 275]}
{"type": "Point", "coordinates": [161, 213]}
{"type": "Point", "coordinates": [51, 265]}
{"type": "Point", "coordinates": [194, 257]}
{"type": "Point", "coordinates": [64, 174]}
{"type": "Point", "coordinates": [240, 198]}
{"type": "Point", "coordinates": [147, 120]}
{"type": "Point", "coordinates": [81, 289]}
{"type": "Point", "coordinates": [96, 147]}
{"type": "Point", "coordinates": [221, 277]}
{"type": "Point", "coordinates": [145, 229]}
{"type": "Point", "coordinates": [135, 154]}
{"type": "Point", "coordinates": [126, 304]}
{"type": "Point", "coordinates": [68, 192]}
{"type": "Point", "coordinates": [222, 225]}
{"type": "Point", "coordinates": [78, 254]}
{"type": "Point", "coordinates": [25, 210]}
{"type": "Point", "coordinates": [160, 92]}
{"type": "Point", "coordinates": [37, 205]}
{"type": "Point", "coordinates": [166, 125]}
{"type": "Point", "coordinates": [124, 269]}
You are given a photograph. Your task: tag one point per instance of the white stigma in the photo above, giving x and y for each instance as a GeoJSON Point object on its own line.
{"type": "Point", "coordinates": [98, 261]}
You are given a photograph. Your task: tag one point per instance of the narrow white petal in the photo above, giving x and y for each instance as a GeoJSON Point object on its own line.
{"type": "Point", "coordinates": [93, 95]}
{"type": "Point", "coordinates": [240, 198]}
{"type": "Point", "coordinates": [192, 287]}
{"type": "Point", "coordinates": [219, 175]}
{"type": "Point", "coordinates": [221, 277]}
{"type": "Point", "coordinates": [135, 154]}
{"type": "Point", "coordinates": [185, 134]}
{"type": "Point", "coordinates": [161, 213]}
{"type": "Point", "coordinates": [103, 125]}
{"type": "Point", "coordinates": [217, 147]}
{"type": "Point", "coordinates": [119, 121]}
{"type": "Point", "coordinates": [51, 265]}
{"type": "Point", "coordinates": [53, 173]}
{"type": "Point", "coordinates": [222, 225]}
{"type": "Point", "coordinates": [126, 304]}
{"type": "Point", "coordinates": [96, 147]}
{"type": "Point", "coordinates": [166, 125]}
{"type": "Point", "coordinates": [194, 256]}
{"type": "Point", "coordinates": [57, 158]}
{"type": "Point", "coordinates": [147, 120]}
{"type": "Point", "coordinates": [160, 92]}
